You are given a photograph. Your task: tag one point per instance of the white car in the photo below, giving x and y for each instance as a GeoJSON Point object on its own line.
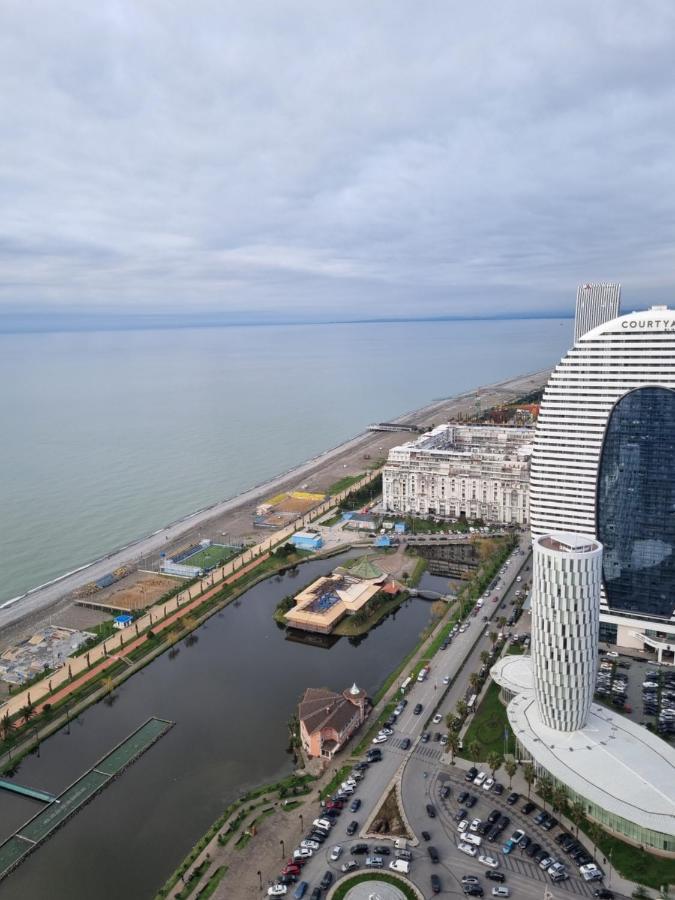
{"type": "Point", "coordinates": [323, 824]}
{"type": "Point", "coordinates": [475, 825]}
{"type": "Point", "coordinates": [469, 849]}
{"type": "Point", "coordinates": [501, 891]}
{"type": "Point", "coordinates": [380, 739]}
{"type": "Point", "coordinates": [302, 853]}
{"type": "Point", "coordinates": [277, 890]}
{"type": "Point", "coordinates": [612, 653]}
{"type": "Point", "coordinates": [517, 836]}
{"type": "Point", "coordinates": [385, 730]}
{"type": "Point", "coordinates": [437, 718]}
{"type": "Point", "coordinates": [309, 845]}
{"type": "Point", "coordinates": [446, 679]}
{"type": "Point", "coordinates": [463, 825]}
{"type": "Point", "coordinates": [480, 778]}
{"type": "Point", "coordinates": [489, 784]}
{"type": "Point", "coordinates": [473, 839]}
{"type": "Point", "coordinates": [336, 853]}
{"type": "Point", "coordinates": [400, 865]}
{"type": "Point", "coordinates": [488, 860]}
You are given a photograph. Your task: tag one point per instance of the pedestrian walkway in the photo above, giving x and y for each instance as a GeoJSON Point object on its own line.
{"type": "Point", "coordinates": [26, 838]}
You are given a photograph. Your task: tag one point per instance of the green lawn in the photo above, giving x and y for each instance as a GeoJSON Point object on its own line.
{"type": "Point", "coordinates": [635, 864]}
{"type": "Point", "coordinates": [216, 554]}
{"type": "Point", "coordinates": [343, 483]}
{"type": "Point", "coordinates": [487, 726]}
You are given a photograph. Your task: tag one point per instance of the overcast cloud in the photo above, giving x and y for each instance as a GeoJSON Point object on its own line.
{"type": "Point", "coordinates": [334, 159]}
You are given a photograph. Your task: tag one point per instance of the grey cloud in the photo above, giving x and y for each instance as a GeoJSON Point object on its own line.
{"type": "Point", "coordinates": [335, 158]}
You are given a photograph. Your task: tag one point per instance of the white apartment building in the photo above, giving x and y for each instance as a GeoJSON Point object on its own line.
{"type": "Point", "coordinates": [477, 471]}
{"type": "Point", "coordinates": [604, 466]}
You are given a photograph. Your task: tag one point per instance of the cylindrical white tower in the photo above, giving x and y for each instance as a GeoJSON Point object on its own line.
{"type": "Point", "coordinates": [566, 583]}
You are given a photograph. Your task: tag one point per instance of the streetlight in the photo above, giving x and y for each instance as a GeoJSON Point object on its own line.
{"type": "Point", "coordinates": [260, 877]}
{"type": "Point", "coordinates": [283, 848]}
{"type": "Point", "coordinates": [302, 821]}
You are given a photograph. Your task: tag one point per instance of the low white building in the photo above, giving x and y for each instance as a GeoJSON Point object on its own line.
{"type": "Point", "coordinates": [477, 471]}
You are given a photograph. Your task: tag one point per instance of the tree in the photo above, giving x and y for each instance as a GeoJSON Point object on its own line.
{"type": "Point", "coordinates": [560, 798]}
{"type": "Point", "coordinates": [493, 637]}
{"type": "Point", "coordinates": [510, 767]}
{"type": "Point", "coordinates": [452, 722]}
{"type": "Point", "coordinates": [495, 761]}
{"type": "Point", "coordinates": [545, 788]}
{"type": "Point", "coordinates": [28, 711]}
{"type": "Point", "coordinates": [438, 610]}
{"type": "Point", "coordinates": [453, 744]}
{"type": "Point", "coordinates": [474, 749]}
{"type": "Point", "coordinates": [474, 682]}
{"type": "Point", "coordinates": [461, 708]}
{"type": "Point", "coordinates": [485, 657]}
{"type": "Point", "coordinates": [595, 832]}
{"type": "Point", "coordinates": [529, 774]}
{"type": "Point", "coordinates": [501, 622]}
{"type": "Point", "coordinates": [6, 727]}
{"type": "Point", "coordinates": [577, 814]}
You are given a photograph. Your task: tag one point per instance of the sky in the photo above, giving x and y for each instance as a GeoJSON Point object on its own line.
{"type": "Point", "coordinates": [334, 160]}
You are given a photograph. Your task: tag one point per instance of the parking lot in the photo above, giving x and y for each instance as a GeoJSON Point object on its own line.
{"type": "Point", "coordinates": [620, 683]}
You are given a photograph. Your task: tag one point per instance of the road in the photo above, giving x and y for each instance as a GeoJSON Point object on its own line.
{"type": "Point", "coordinates": [461, 653]}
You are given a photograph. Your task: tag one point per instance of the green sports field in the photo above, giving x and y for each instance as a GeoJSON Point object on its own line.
{"type": "Point", "coordinates": [211, 556]}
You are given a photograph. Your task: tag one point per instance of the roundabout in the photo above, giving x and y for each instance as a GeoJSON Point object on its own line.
{"type": "Point", "coordinates": [374, 886]}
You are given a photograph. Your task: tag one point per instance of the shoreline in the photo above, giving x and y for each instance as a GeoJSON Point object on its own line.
{"type": "Point", "coordinates": [39, 599]}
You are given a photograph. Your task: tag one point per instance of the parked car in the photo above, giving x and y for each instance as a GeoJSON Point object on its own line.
{"type": "Point", "coordinates": [327, 880]}
{"type": "Point", "coordinates": [352, 828]}
{"type": "Point", "coordinates": [488, 861]}
{"type": "Point", "coordinates": [375, 862]}
{"type": "Point", "coordinates": [300, 890]}
{"type": "Point", "coordinates": [336, 853]}
{"type": "Point", "coordinates": [349, 866]}
{"type": "Point", "coordinates": [471, 774]}
{"type": "Point", "coordinates": [355, 805]}
{"type": "Point", "coordinates": [359, 849]}
{"type": "Point", "coordinates": [381, 851]}
{"type": "Point", "coordinates": [495, 876]}
{"type": "Point", "coordinates": [445, 792]}
{"type": "Point", "coordinates": [513, 798]}
{"type": "Point", "coordinates": [469, 849]}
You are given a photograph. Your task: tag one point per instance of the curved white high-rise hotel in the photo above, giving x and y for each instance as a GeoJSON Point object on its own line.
{"type": "Point", "coordinates": [604, 466]}
{"type": "Point", "coordinates": [566, 583]}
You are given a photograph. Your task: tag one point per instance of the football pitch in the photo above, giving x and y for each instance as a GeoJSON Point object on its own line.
{"type": "Point", "coordinates": [216, 554]}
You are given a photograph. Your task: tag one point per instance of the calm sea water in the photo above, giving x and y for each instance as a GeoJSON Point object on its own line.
{"type": "Point", "coordinates": [109, 435]}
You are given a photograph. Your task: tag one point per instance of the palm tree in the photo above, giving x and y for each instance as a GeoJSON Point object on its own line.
{"type": "Point", "coordinates": [485, 657]}
{"type": "Point", "coordinates": [494, 761]}
{"type": "Point", "coordinates": [560, 798]}
{"type": "Point", "coordinates": [529, 774]}
{"type": "Point", "coordinates": [461, 708]}
{"type": "Point", "coordinates": [6, 727]}
{"type": "Point", "coordinates": [545, 788]}
{"type": "Point", "coordinates": [510, 767]}
{"type": "Point", "coordinates": [474, 682]}
{"type": "Point", "coordinates": [452, 722]}
{"type": "Point", "coordinates": [501, 622]}
{"type": "Point", "coordinates": [474, 749]}
{"type": "Point", "coordinates": [493, 637]}
{"type": "Point", "coordinates": [28, 711]}
{"type": "Point", "coordinates": [453, 744]}
{"type": "Point", "coordinates": [577, 813]}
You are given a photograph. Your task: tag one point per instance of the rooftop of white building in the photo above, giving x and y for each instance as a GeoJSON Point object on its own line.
{"type": "Point", "coordinates": [568, 542]}
{"type": "Point", "coordinates": [612, 762]}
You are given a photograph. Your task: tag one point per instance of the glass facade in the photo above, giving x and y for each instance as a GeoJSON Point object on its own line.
{"type": "Point", "coordinates": [636, 503]}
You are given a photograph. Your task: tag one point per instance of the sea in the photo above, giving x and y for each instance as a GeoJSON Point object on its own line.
{"type": "Point", "coordinates": [108, 435]}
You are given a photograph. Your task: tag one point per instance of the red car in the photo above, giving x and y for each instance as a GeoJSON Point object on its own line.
{"type": "Point", "coordinates": [291, 869]}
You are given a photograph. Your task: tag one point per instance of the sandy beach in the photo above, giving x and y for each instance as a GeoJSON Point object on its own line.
{"type": "Point", "coordinates": [232, 517]}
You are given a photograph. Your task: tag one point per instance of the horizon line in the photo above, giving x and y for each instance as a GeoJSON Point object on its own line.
{"type": "Point", "coordinates": [40, 323]}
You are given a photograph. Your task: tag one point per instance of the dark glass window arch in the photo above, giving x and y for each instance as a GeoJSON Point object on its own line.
{"type": "Point", "coordinates": [636, 503]}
